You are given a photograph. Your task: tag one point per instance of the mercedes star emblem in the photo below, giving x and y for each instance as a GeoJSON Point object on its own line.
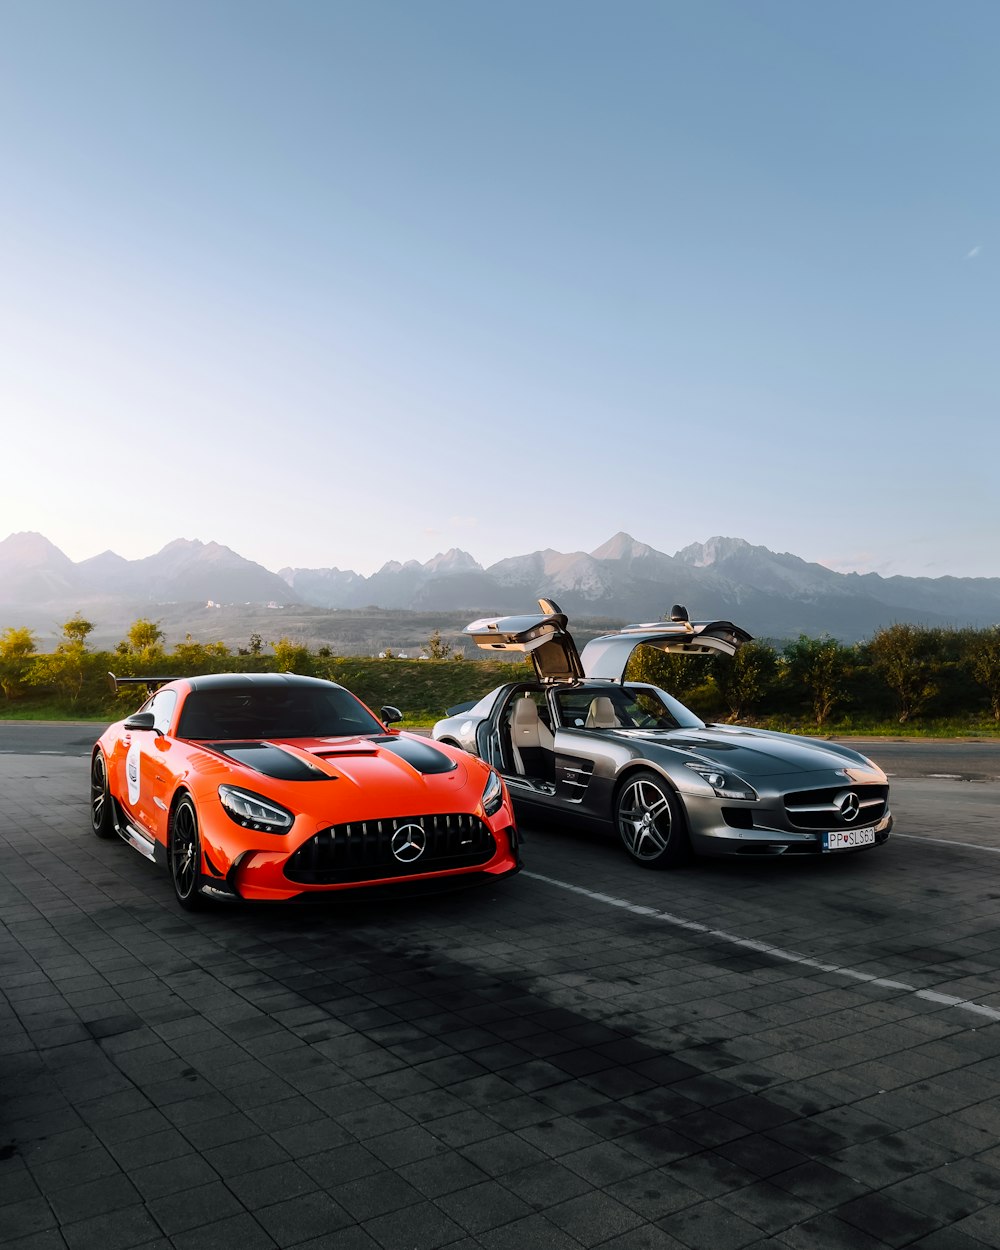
{"type": "Point", "coordinates": [850, 805]}
{"type": "Point", "coordinates": [408, 843]}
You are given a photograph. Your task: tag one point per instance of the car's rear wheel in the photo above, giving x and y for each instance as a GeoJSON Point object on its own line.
{"type": "Point", "coordinates": [184, 855]}
{"type": "Point", "coordinates": [101, 816]}
{"type": "Point", "coordinates": [649, 821]}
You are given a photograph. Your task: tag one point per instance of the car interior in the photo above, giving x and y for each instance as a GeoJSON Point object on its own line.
{"type": "Point", "coordinates": [601, 714]}
{"type": "Point", "coordinates": [527, 741]}
{"type": "Point", "coordinates": [531, 741]}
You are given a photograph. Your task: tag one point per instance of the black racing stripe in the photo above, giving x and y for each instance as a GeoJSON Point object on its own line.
{"type": "Point", "coordinates": [270, 760]}
{"type": "Point", "coordinates": [422, 756]}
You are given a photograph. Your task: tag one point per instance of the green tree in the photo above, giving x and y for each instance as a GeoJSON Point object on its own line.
{"type": "Point", "coordinates": [77, 630]}
{"type": "Point", "coordinates": [983, 659]}
{"type": "Point", "coordinates": [903, 656]}
{"type": "Point", "coordinates": [144, 634]}
{"type": "Point", "coordinates": [437, 648]}
{"type": "Point", "coordinates": [820, 666]}
{"type": "Point", "coordinates": [256, 644]}
{"type": "Point", "coordinates": [291, 657]}
{"type": "Point", "coordinates": [65, 668]}
{"type": "Point", "coordinates": [199, 657]}
{"type": "Point", "coordinates": [677, 674]}
{"type": "Point", "coordinates": [16, 648]}
{"type": "Point", "coordinates": [746, 678]}
{"type": "Point", "coordinates": [143, 642]}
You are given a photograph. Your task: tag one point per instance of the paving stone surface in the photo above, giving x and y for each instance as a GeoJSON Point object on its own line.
{"type": "Point", "coordinates": [528, 1065]}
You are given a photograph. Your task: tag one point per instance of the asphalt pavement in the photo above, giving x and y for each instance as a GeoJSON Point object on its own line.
{"type": "Point", "coordinates": [36, 737]}
{"type": "Point", "coordinates": [791, 1053]}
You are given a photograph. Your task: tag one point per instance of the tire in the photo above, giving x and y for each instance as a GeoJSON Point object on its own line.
{"type": "Point", "coordinates": [184, 856]}
{"type": "Point", "coordinates": [102, 818]}
{"type": "Point", "coordinates": [649, 821]}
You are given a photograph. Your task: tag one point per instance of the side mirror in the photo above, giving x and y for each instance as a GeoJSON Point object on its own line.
{"type": "Point", "coordinates": [141, 720]}
{"type": "Point", "coordinates": [390, 715]}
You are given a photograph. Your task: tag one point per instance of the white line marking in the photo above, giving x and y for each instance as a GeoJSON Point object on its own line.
{"type": "Point", "coordinates": [776, 952]}
{"type": "Point", "coordinates": [972, 846]}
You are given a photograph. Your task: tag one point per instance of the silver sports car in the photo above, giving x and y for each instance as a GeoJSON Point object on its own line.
{"type": "Point", "coordinates": [582, 742]}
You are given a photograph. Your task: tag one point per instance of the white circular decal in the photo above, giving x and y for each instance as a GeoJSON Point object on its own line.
{"type": "Point", "coordinates": [132, 773]}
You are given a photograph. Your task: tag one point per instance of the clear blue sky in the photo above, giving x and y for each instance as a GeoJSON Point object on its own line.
{"type": "Point", "coordinates": [337, 282]}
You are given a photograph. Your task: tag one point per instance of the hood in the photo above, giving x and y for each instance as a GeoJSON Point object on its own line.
{"type": "Point", "coordinates": [399, 761]}
{"type": "Point", "coordinates": [759, 752]}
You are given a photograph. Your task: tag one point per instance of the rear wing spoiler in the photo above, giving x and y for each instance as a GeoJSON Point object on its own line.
{"type": "Point", "coordinates": [151, 683]}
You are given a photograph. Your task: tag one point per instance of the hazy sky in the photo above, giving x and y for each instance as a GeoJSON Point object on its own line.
{"type": "Point", "coordinates": [342, 281]}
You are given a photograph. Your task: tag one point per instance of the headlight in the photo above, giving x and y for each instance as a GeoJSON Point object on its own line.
{"type": "Point", "coordinates": [725, 785]}
{"type": "Point", "coordinates": [493, 794]}
{"type": "Point", "coordinates": [253, 812]}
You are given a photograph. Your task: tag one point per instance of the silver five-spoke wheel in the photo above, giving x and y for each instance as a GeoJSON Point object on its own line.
{"type": "Point", "coordinates": [649, 822]}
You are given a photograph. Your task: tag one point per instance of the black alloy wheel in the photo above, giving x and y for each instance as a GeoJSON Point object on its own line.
{"type": "Point", "coordinates": [649, 821]}
{"type": "Point", "coordinates": [184, 855]}
{"type": "Point", "coordinates": [101, 816]}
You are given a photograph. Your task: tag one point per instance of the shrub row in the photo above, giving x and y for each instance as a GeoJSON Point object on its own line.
{"type": "Point", "coordinates": [904, 675]}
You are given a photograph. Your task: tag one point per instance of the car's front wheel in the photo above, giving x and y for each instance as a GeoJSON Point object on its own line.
{"type": "Point", "coordinates": [101, 816]}
{"type": "Point", "coordinates": [184, 855]}
{"type": "Point", "coordinates": [649, 821]}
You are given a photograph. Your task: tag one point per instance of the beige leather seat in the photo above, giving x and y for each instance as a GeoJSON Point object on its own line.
{"type": "Point", "coordinates": [531, 740]}
{"type": "Point", "coordinates": [601, 714]}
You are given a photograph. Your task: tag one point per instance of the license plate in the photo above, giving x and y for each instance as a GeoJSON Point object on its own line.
{"type": "Point", "coordinates": [847, 839]}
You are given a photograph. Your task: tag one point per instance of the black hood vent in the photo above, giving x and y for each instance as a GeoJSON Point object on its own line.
{"type": "Point", "coordinates": [422, 756]}
{"type": "Point", "coordinates": [271, 761]}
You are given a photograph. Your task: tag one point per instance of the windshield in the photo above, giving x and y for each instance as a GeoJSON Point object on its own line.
{"type": "Point", "coordinates": [275, 712]}
{"type": "Point", "coordinates": [624, 707]}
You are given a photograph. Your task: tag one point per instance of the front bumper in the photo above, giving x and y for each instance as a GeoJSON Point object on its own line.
{"type": "Point", "coordinates": [259, 873]}
{"type": "Point", "coordinates": [716, 837]}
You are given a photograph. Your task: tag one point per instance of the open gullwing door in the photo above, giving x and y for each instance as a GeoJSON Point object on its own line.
{"type": "Point", "coordinates": [606, 658]}
{"type": "Point", "coordinates": [544, 637]}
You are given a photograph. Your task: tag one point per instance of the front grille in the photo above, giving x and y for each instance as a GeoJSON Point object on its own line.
{"type": "Point", "coordinates": [822, 809]}
{"type": "Point", "coordinates": [363, 850]}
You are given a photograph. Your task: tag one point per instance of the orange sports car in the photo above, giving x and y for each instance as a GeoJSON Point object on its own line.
{"type": "Point", "coordinates": [271, 786]}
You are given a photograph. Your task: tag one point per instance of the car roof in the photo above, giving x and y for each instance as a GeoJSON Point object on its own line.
{"type": "Point", "coordinates": [239, 681]}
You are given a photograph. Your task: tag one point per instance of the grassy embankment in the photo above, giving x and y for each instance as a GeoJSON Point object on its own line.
{"type": "Point", "coordinates": [424, 689]}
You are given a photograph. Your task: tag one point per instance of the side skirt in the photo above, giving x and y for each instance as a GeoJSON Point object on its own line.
{"type": "Point", "coordinates": [139, 841]}
{"type": "Point", "coordinates": [528, 787]}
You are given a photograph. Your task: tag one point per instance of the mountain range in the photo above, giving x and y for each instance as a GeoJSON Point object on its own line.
{"type": "Point", "coordinates": [776, 595]}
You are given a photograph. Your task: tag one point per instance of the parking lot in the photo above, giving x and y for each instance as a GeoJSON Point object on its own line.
{"type": "Point", "coordinates": [800, 1053]}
